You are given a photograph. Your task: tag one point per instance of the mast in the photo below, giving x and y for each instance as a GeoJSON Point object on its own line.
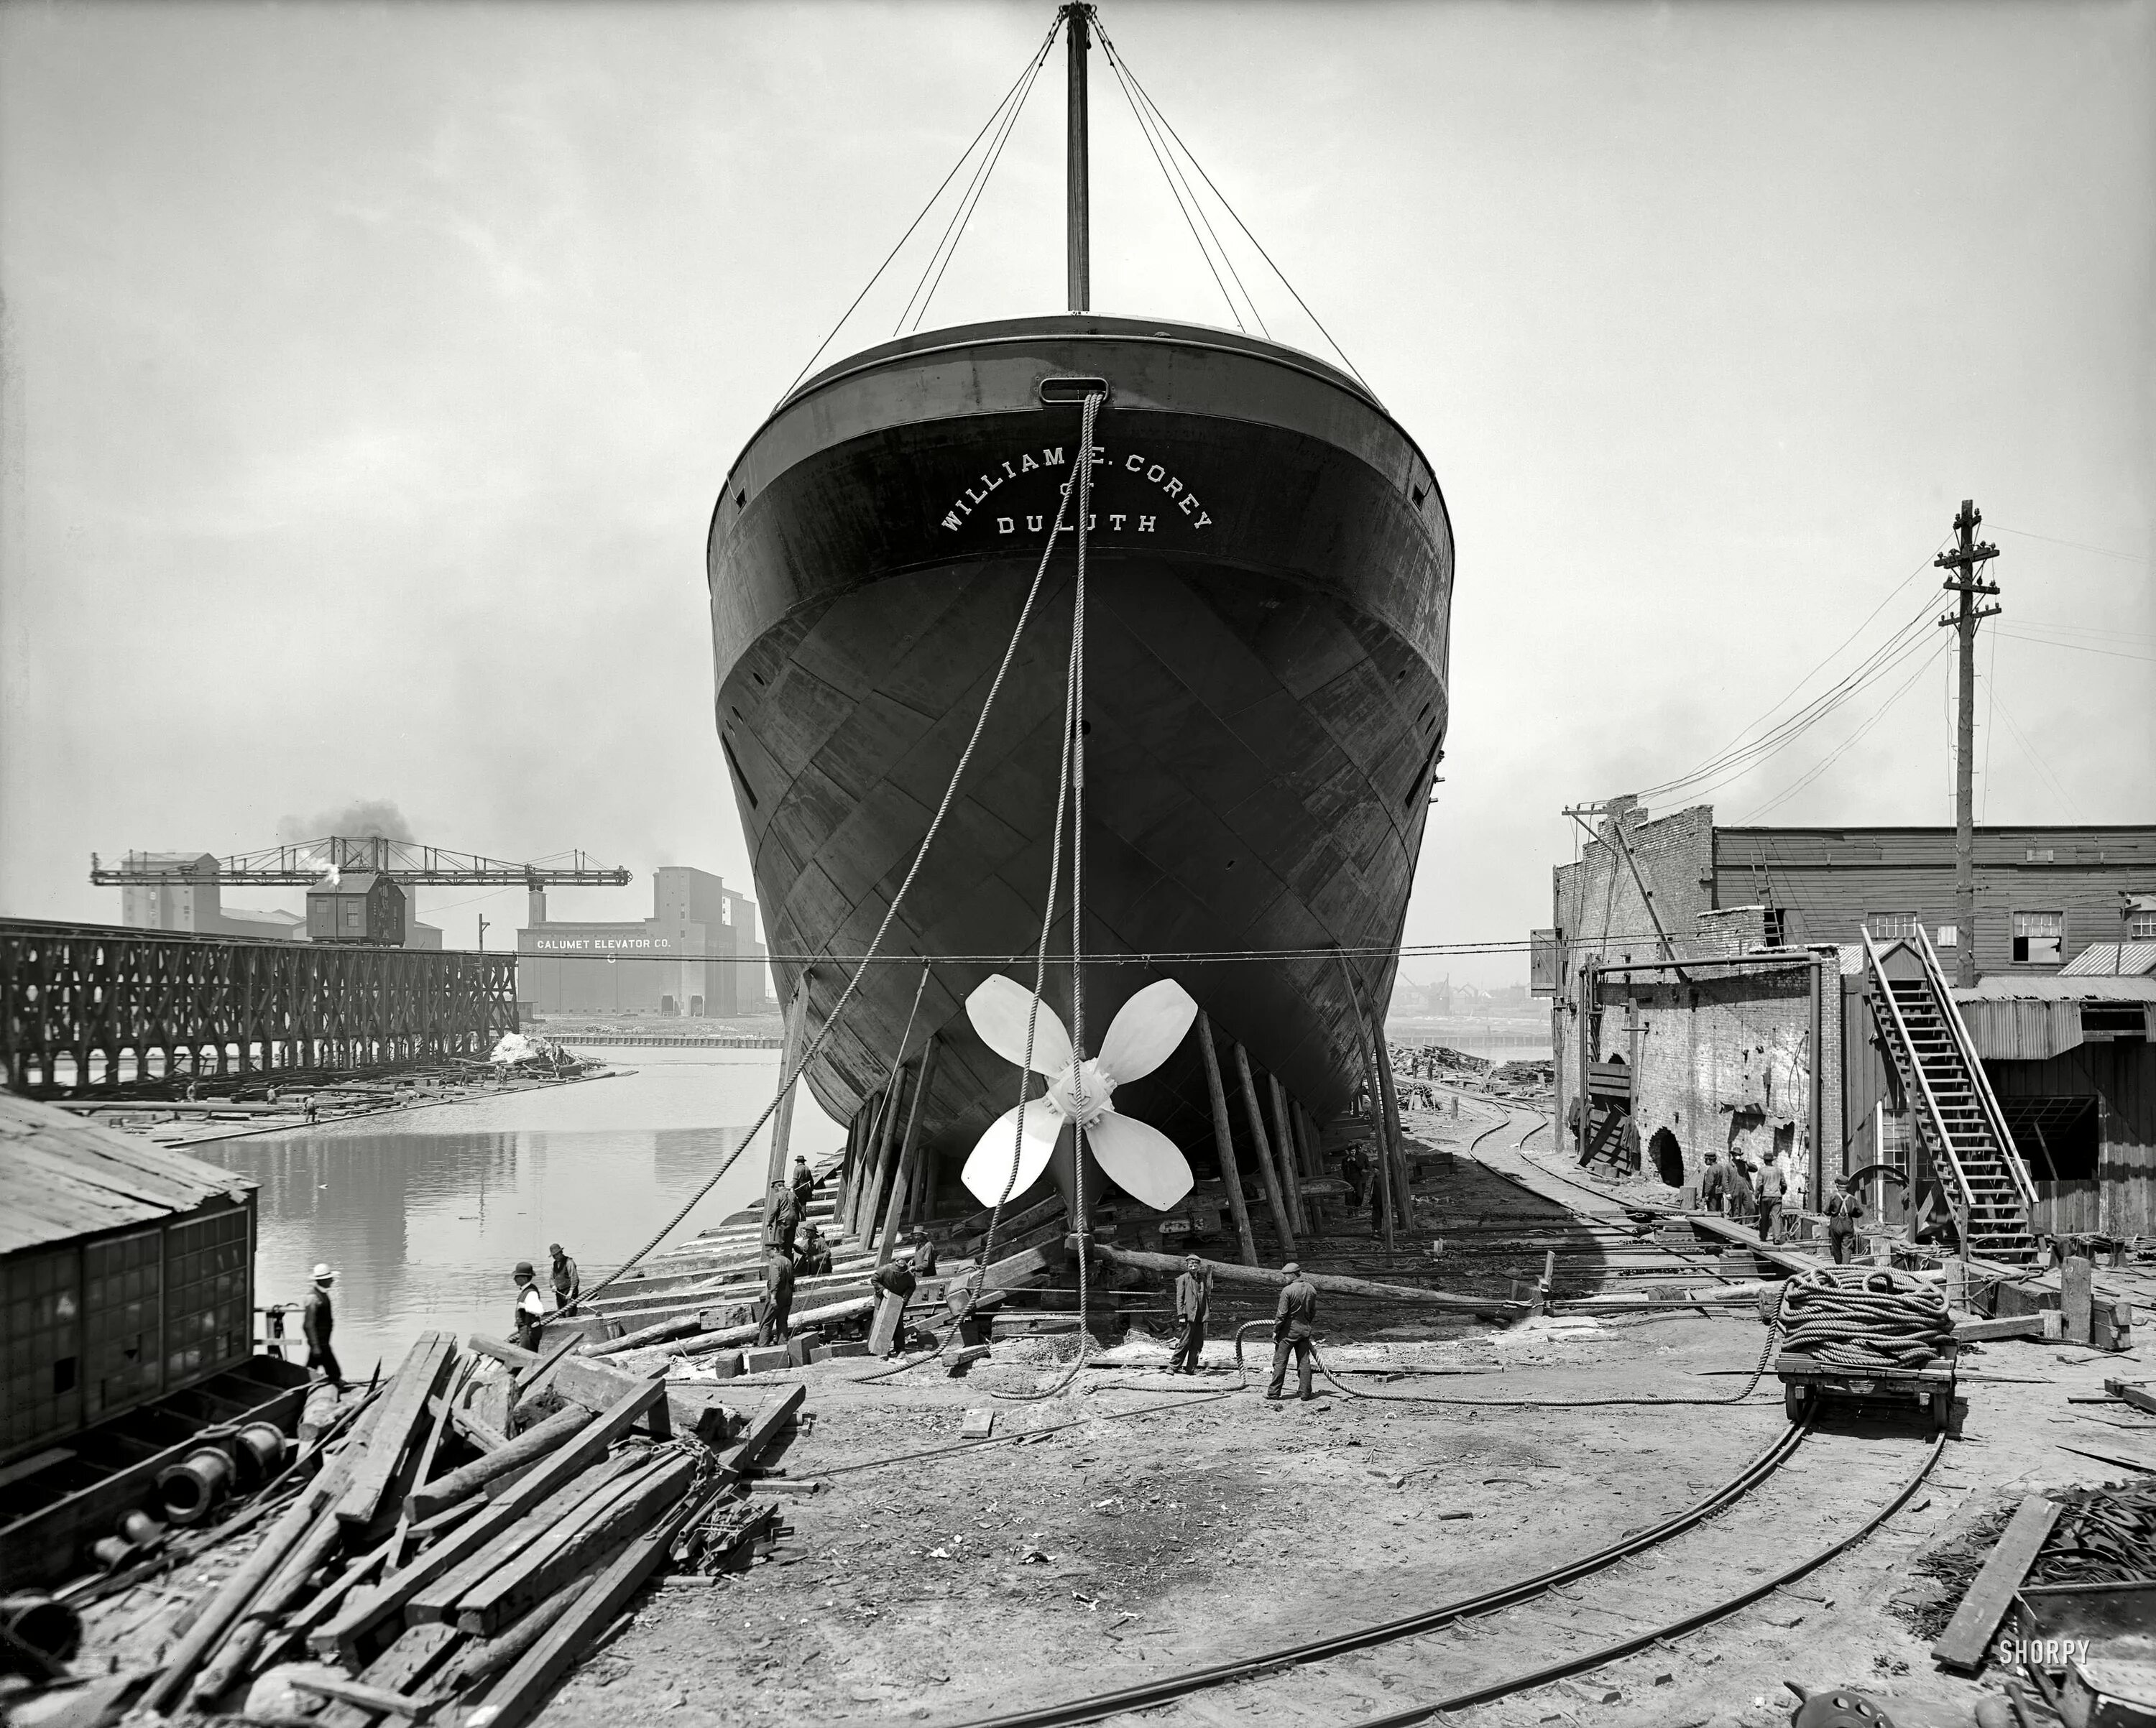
{"type": "Point", "coordinates": [1078, 18]}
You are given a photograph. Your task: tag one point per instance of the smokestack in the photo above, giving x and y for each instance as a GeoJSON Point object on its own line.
{"type": "Point", "coordinates": [535, 908]}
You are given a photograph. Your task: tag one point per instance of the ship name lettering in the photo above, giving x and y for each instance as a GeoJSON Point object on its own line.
{"type": "Point", "coordinates": [1115, 523]}
{"type": "Point", "coordinates": [1145, 524]}
{"type": "Point", "coordinates": [1034, 524]}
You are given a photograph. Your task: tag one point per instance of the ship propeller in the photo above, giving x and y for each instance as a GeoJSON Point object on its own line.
{"type": "Point", "coordinates": [1137, 1157]}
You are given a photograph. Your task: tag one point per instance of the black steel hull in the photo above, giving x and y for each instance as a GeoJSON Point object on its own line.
{"type": "Point", "coordinates": [1269, 584]}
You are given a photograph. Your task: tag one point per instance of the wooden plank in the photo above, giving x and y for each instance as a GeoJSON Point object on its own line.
{"type": "Point", "coordinates": [384, 1684]}
{"type": "Point", "coordinates": [1967, 1640]}
{"type": "Point", "coordinates": [596, 1384]}
{"type": "Point", "coordinates": [636, 1505]}
{"type": "Point", "coordinates": [547, 1477]}
{"type": "Point", "coordinates": [1227, 1273]}
{"type": "Point", "coordinates": [438, 1600]}
{"type": "Point", "coordinates": [520, 1694]}
{"type": "Point", "coordinates": [2134, 1393]}
{"type": "Point", "coordinates": [403, 1413]}
{"type": "Point", "coordinates": [528, 1377]}
{"type": "Point", "coordinates": [2011, 1326]}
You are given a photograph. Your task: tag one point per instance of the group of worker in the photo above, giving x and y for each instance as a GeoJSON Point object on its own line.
{"type": "Point", "coordinates": [1760, 1195]}
{"type": "Point", "coordinates": [1295, 1320]}
{"type": "Point", "coordinates": [794, 1248]}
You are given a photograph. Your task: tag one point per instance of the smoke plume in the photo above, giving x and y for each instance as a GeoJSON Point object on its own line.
{"type": "Point", "coordinates": [357, 820]}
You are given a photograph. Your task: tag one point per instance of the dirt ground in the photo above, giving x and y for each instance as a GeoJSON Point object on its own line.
{"type": "Point", "coordinates": [1159, 1525]}
{"type": "Point", "coordinates": [1220, 1526]}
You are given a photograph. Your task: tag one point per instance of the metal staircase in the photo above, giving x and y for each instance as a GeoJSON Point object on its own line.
{"type": "Point", "coordinates": [1952, 1099]}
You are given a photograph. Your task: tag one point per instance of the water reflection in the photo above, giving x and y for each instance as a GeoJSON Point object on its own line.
{"type": "Point", "coordinates": [423, 1214]}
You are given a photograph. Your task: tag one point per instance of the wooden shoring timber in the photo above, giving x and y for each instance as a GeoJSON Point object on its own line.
{"type": "Point", "coordinates": [1321, 1281]}
{"type": "Point", "coordinates": [518, 1694]}
{"type": "Point", "coordinates": [544, 1478]}
{"type": "Point", "coordinates": [398, 1425]}
{"type": "Point", "coordinates": [1275, 1184]}
{"type": "Point", "coordinates": [385, 1684]}
{"type": "Point", "coordinates": [479, 1659]}
{"type": "Point", "coordinates": [583, 1379]}
{"type": "Point", "coordinates": [438, 1600]}
{"type": "Point", "coordinates": [577, 1545]}
{"type": "Point", "coordinates": [790, 1064]}
{"type": "Point", "coordinates": [1224, 1141]}
{"type": "Point", "coordinates": [871, 1208]}
{"type": "Point", "coordinates": [1289, 1160]}
{"type": "Point", "coordinates": [461, 1484]}
{"type": "Point", "coordinates": [887, 1237]}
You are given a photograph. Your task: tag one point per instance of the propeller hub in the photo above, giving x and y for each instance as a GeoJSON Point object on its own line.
{"type": "Point", "coordinates": [1091, 1080]}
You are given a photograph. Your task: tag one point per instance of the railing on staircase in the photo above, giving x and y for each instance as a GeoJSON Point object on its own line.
{"type": "Point", "coordinates": [1909, 1058]}
{"type": "Point", "coordinates": [2009, 1155]}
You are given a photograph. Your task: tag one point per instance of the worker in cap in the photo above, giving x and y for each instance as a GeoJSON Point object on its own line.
{"type": "Point", "coordinates": [568, 1282]}
{"type": "Point", "coordinates": [924, 1252]}
{"type": "Point", "coordinates": [1193, 1300]}
{"type": "Point", "coordinates": [318, 1320]}
{"type": "Point", "coordinates": [778, 1296]}
{"type": "Point", "coordinates": [1713, 1184]}
{"type": "Point", "coordinates": [531, 1312]}
{"type": "Point", "coordinates": [1293, 1321]}
{"type": "Point", "coordinates": [803, 1185]}
{"type": "Point", "coordinates": [782, 1219]}
{"type": "Point", "coordinates": [812, 1257]}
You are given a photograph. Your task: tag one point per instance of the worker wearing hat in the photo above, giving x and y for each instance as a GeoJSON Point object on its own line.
{"type": "Point", "coordinates": [318, 1320]}
{"type": "Point", "coordinates": [568, 1282]}
{"type": "Point", "coordinates": [1293, 1321]}
{"type": "Point", "coordinates": [1194, 1299]}
{"type": "Point", "coordinates": [531, 1310]}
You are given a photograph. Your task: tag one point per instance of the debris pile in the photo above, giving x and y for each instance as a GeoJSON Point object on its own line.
{"type": "Point", "coordinates": [2104, 1536]}
{"type": "Point", "coordinates": [459, 1539]}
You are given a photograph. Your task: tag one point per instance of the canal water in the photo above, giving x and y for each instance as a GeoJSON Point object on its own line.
{"type": "Point", "coordinates": [424, 1212]}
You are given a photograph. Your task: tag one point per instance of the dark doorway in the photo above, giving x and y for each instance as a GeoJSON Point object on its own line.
{"type": "Point", "coordinates": [666, 1006]}
{"type": "Point", "coordinates": [1667, 1157]}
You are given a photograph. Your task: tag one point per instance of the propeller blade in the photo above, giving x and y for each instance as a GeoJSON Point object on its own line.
{"type": "Point", "coordinates": [988, 1165]}
{"type": "Point", "coordinates": [1147, 1029]}
{"type": "Point", "coordinates": [1140, 1160]}
{"type": "Point", "coordinates": [999, 1009]}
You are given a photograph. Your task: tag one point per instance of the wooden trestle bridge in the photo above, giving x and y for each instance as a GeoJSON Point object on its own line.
{"type": "Point", "coordinates": [88, 1007]}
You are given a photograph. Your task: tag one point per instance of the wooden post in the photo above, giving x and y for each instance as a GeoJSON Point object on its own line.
{"type": "Point", "coordinates": [869, 1210]}
{"type": "Point", "coordinates": [1290, 1158]}
{"type": "Point", "coordinates": [1586, 1055]}
{"type": "Point", "coordinates": [1313, 1164]}
{"type": "Point", "coordinates": [1370, 1085]}
{"type": "Point", "coordinates": [782, 1124]}
{"type": "Point", "coordinates": [1391, 1108]}
{"type": "Point", "coordinates": [1224, 1142]}
{"type": "Point", "coordinates": [2076, 1291]}
{"type": "Point", "coordinates": [888, 1235]}
{"type": "Point", "coordinates": [1275, 1200]}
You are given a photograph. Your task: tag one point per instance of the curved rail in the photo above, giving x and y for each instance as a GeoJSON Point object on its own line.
{"type": "Point", "coordinates": [1151, 1693]}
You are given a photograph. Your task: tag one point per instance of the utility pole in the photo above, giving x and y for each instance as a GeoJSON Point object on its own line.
{"type": "Point", "coordinates": [1964, 565]}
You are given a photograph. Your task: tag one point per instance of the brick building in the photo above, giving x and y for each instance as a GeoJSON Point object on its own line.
{"type": "Point", "coordinates": [696, 955]}
{"type": "Point", "coordinates": [1710, 992]}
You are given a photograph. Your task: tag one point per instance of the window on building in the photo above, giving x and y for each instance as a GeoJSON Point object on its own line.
{"type": "Point", "coordinates": [2141, 926]}
{"type": "Point", "coordinates": [1949, 936]}
{"type": "Point", "coordinates": [1777, 929]}
{"type": "Point", "coordinates": [1891, 927]}
{"type": "Point", "coordinates": [2040, 938]}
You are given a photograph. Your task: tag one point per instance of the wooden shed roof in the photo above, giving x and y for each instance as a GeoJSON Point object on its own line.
{"type": "Point", "coordinates": [62, 1177]}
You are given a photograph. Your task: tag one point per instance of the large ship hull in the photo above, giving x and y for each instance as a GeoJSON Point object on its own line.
{"type": "Point", "coordinates": [1270, 576]}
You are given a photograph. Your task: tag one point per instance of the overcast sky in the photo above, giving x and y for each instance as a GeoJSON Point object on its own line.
{"type": "Point", "coordinates": [369, 373]}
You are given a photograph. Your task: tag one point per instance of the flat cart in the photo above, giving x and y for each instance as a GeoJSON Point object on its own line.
{"type": "Point", "coordinates": [1808, 1387]}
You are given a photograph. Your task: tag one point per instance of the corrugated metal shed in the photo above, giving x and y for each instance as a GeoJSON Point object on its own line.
{"type": "Point", "coordinates": [2023, 1031]}
{"type": "Point", "coordinates": [61, 1177]}
{"type": "Point", "coordinates": [2104, 960]}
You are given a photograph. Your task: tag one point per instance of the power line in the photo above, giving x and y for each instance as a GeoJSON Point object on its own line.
{"type": "Point", "coordinates": [1832, 756]}
{"type": "Point", "coordinates": [2086, 648]}
{"type": "Point", "coordinates": [2081, 545]}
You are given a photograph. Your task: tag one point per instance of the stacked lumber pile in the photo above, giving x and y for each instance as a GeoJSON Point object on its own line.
{"type": "Point", "coordinates": [474, 1532]}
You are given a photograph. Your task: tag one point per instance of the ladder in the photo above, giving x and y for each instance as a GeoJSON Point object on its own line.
{"type": "Point", "coordinates": [1956, 1112]}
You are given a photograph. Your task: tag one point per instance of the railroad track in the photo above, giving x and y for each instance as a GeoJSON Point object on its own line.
{"type": "Point", "coordinates": [1695, 1567]}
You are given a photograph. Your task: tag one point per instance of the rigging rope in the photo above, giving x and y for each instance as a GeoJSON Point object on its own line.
{"type": "Point", "coordinates": [1081, 468]}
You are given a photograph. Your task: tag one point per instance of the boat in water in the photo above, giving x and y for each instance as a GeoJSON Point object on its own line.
{"type": "Point", "coordinates": [1269, 569]}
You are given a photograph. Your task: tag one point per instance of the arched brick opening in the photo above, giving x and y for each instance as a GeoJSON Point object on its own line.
{"type": "Point", "coordinates": [1667, 1157]}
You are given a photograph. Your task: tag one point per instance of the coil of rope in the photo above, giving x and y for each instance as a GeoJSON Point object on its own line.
{"type": "Point", "coordinates": [1865, 1319]}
